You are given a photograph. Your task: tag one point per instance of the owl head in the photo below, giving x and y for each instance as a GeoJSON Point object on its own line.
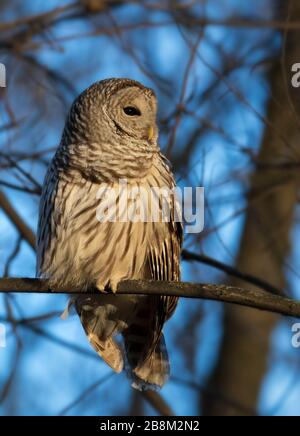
{"type": "Point", "coordinates": [113, 111]}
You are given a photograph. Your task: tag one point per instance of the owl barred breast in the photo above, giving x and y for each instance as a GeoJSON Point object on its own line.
{"type": "Point", "coordinates": [110, 136]}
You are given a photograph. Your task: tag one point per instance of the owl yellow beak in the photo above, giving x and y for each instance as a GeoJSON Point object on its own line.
{"type": "Point", "coordinates": [150, 133]}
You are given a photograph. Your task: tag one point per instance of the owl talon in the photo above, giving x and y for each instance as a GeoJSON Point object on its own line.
{"type": "Point", "coordinates": [113, 287]}
{"type": "Point", "coordinates": [102, 288]}
{"type": "Point", "coordinates": [108, 288]}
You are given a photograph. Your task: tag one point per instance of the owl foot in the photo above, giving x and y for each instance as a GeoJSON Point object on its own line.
{"type": "Point", "coordinates": [107, 288]}
{"type": "Point", "coordinates": [113, 285]}
{"type": "Point", "coordinates": [102, 287]}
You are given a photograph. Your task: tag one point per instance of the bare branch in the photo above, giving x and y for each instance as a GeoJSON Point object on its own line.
{"type": "Point", "coordinates": [158, 403]}
{"type": "Point", "coordinates": [231, 271]}
{"type": "Point", "coordinates": [229, 294]}
{"type": "Point", "coordinates": [21, 226]}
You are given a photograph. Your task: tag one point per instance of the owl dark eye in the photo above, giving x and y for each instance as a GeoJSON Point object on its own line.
{"type": "Point", "coordinates": [132, 111]}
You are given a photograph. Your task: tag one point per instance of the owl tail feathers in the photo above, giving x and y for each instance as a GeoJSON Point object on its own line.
{"type": "Point", "coordinates": [100, 331]}
{"type": "Point", "coordinates": [109, 350]}
{"type": "Point", "coordinates": [153, 372]}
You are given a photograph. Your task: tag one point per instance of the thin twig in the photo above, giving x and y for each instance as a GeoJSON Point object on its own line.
{"type": "Point", "coordinates": [21, 226]}
{"type": "Point", "coordinates": [158, 403]}
{"type": "Point", "coordinates": [231, 271]}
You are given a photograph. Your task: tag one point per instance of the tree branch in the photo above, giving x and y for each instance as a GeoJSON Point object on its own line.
{"type": "Point", "coordinates": [231, 271]}
{"type": "Point", "coordinates": [251, 298]}
{"type": "Point", "coordinates": [18, 222]}
{"type": "Point", "coordinates": [158, 403]}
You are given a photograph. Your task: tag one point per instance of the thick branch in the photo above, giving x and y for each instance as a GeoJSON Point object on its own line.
{"type": "Point", "coordinates": [251, 298]}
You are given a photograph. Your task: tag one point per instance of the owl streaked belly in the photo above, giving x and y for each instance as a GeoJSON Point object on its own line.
{"type": "Point", "coordinates": [89, 252]}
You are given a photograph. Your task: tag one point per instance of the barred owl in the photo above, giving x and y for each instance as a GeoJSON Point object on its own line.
{"type": "Point", "coordinates": [110, 135]}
